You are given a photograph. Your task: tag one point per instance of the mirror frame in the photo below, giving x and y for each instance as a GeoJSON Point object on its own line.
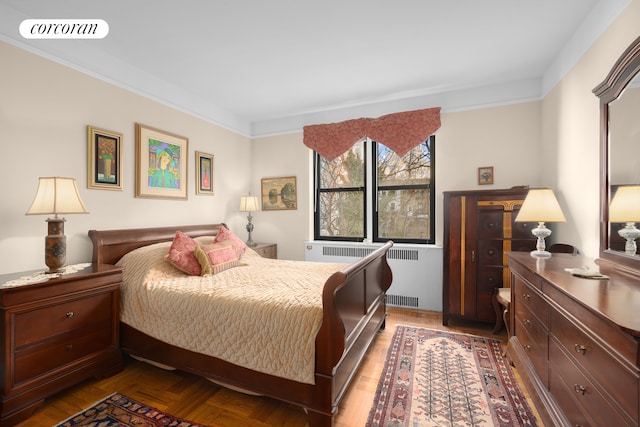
{"type": "Point", "coordinates": [623, 71]}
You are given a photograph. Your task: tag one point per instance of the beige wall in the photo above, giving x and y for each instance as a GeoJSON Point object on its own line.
{"type": "Point", "coordinates": [571, 127]}
{"type": "Point", "coordinates": [44, 112]}
{"type": "Point", "coordinates": [45, 108]}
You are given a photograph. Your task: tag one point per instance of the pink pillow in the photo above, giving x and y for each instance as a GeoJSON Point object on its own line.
{"type": "Point", "coordinates": [216, 258]}
{"type": "Point", "coordinates": [238, 245]}
{"type": "Point", "coordinates": [181, 254]}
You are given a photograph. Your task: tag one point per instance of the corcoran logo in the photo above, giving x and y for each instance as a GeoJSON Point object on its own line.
{"type": "Point", "coordinates": [64, 29]}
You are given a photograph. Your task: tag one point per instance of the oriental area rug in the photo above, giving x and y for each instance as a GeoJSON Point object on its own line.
{"type": "Point", "coordinates": [119, 410]}
{"type": "Point", "coordinates": [439, 378]}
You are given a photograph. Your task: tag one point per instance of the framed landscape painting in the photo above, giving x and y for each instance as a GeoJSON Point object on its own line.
{"type": "Point", "coordinates": [161, 164]}
{"type": "Point", "coordinates": [104, 164]}
{"type": "Point", "coordinates": [204, 173]}
{"type": "Point", "coordinates": [279, 193]}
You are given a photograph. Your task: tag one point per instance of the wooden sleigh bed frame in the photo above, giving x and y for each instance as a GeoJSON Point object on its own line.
{"type": "Point", "coordinates": [353, 312]}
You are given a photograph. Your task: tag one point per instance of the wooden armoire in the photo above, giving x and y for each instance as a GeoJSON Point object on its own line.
{"type": "Point", "coordinates": [479, 228]}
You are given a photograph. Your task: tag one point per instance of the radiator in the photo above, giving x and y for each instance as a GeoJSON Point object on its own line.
{"type": "Point", "coordinates": [417, 270]}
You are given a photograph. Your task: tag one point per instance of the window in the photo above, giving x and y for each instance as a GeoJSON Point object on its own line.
{"type": "Point", "coordinates": [395, 203]}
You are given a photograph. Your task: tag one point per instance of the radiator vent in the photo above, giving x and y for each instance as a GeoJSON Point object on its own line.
{"type": "Point", "coordinates": [347, 251]}
{"type": "Point", "coordinates": [354, 252]}
{"type": "Point", "coordinates": [405, 254]}
{"type": "Point", "coordinates": [402, 301]}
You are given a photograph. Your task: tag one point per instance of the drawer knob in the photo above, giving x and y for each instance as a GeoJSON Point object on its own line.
{"type": "Point", "coordinates": [69, 347]}
{"type": "Point", "coordinates": [580, 389]}
{"type": "Point", "coordinates": [526, 322]}
{"type": "Point", "coordinates": [526, 296]}
{"type": "Point", "coordinates": [580, 348]}
{"type": "Point", "coordinates": [69, 314]}
{"type": "Point", "coordinates": [527, 347]}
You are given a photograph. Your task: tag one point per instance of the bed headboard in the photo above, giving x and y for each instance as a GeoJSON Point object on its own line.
{"type": "Point", "coordinates": [111, 245]}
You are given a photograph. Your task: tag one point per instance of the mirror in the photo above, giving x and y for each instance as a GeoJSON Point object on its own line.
{"type": "Point", "coordinates": [619, 97]}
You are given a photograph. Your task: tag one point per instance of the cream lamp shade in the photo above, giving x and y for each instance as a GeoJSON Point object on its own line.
{"type": "Point", "coordinates": [56, 195]}
{"type": "Point", "coordinates": [249, 204]}
{"type": "Point", "coordinates": [625, 207]}
{"type": "Point", "coordinates": [540, 206]}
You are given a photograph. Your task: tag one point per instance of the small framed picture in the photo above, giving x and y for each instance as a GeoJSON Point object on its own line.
{"type": "Point", "coordinates": [485, 175]}
{"type": "Point", "coordinates": [204, 173]}
{"type": "Point", "coordinates": [279, 193]}
{"type": "Point", "coordinates": [104, 165]}
{"type": "Point", "coordinates": [161, 164]}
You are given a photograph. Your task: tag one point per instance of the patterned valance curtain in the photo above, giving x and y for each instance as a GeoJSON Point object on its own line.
{"type": "Point", "coordinates": [399, 131]}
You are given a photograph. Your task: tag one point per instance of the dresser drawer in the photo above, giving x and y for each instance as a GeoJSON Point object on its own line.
{"type": "Point", "coordinates": [529, 303]}
{"type": "Point", "coordinates": [61, 317]}
{"type": "Point", "coordinates": [581, 400]}
{"type": "Point", "coordinates": [535, 343]}
{"type": "Point", "coordinates": [489, 278]}
{"type": "Point", "coordinates": [490, 252]}
{"type": "Point", "coordinates": [616, 380]}
{"type": "Point", "coordinates": [64, 349]}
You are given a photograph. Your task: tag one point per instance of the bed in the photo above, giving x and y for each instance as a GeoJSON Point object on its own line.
{"type": "Point", "coordinates": [352, 311]}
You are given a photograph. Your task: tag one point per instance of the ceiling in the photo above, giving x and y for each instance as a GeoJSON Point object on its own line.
{"type": "Point", "coordinates": [268, 67]}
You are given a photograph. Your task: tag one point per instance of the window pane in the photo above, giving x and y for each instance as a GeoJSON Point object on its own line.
{"type": "Point", "coordinates": [411, 169]}
{"type": "Point", "coordinates": [342, 214]}
{"type": "Point", "coordinates": [344, 171]}
{"type": "Point", "coordinates": [404, 214]}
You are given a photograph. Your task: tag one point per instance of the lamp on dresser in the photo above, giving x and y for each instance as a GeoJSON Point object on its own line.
{"type": "Point", "coordinates": [540, 206]}
{"type": "Point", "coordinates": [56, 195]}
{"type": "Point", "coordinates": [249, 204]}
{"type": "Point", "coordinates": [625, 207]}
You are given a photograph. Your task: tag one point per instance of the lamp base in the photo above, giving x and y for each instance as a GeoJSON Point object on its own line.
{"type": "Point", "coordinates": [540, 254]}
{"type": "Point", "coordinates": [630, 233]}
{"type": "Point", "coordinates": [55, 245]}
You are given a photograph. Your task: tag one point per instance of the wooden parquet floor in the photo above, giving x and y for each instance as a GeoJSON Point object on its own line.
{"type": "Point", "coordinates": [198, 400]}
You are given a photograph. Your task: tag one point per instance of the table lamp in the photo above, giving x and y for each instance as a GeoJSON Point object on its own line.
{"type": "Point", "coordinates": [625, 207]}
{"type": "Point", "coordinates": [55, 196]}
{"type": "Point", "coordinates": [540, 206]}
{"type": "Point", "coordinates": [249, 204]}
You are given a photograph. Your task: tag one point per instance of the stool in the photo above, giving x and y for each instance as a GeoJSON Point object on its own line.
{"type": "Point", "coordinates": [501, 303]}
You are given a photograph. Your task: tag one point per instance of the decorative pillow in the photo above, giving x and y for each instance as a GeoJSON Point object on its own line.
{"type": "Point", "coordinates": [181, 254]}
{"type": "Point", "coordinates": [238, 245]}
{"type": "Point", "coordinates": [216, 257]}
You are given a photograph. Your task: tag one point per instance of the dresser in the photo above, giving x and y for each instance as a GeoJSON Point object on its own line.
{"type": "Point", "coordinates": [479, 228]}
{"type": "Point", "coordinates": [575, 341]}
{"type": "Point", "coordinates": [56, 333]}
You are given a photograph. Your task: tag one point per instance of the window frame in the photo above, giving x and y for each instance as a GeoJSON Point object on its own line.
{"type": "Point", "coordinates": [318, 191]}
{"type": "Point", "coordinates": [432, 199]}
{"type": "Point", "coordinates": [370, 198]}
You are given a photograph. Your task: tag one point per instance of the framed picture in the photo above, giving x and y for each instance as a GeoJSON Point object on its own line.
{"type": "Point", "coordinates": [485, 175]}
{"type": "Point", "coordinates": [279, 194]}
{"type": "Point", "coordinates": [104, 164]}
{"type": "Point", "coordinates": [204, 173]}
{"type": "Point", "coordinates": [161, 164]}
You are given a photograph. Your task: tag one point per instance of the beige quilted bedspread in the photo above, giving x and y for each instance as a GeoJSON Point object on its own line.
{"type": "Point", "coordinates": [263, 315]}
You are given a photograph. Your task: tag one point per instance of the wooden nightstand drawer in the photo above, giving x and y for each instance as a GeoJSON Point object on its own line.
{"type": "Point", "coordinates": [48, 355]}
{"type": "Point", "coordinates": [31, 327]}
{"type": "Point", "coordinates": [267, 250]}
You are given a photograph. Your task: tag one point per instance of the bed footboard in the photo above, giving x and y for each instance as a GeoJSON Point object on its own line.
{"type": "Point", "coordinates": [354, 311]}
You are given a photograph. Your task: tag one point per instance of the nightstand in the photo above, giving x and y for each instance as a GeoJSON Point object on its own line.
{"type": "Point", "coordinates": [55, 334]}
{"type": "Point", "coordinates": [267, 250]}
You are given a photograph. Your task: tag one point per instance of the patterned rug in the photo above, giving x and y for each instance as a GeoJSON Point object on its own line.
{"type": "Point", "coordinates": [118, 410]}
{"type": "Point", "coordinates": [438, 378]}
